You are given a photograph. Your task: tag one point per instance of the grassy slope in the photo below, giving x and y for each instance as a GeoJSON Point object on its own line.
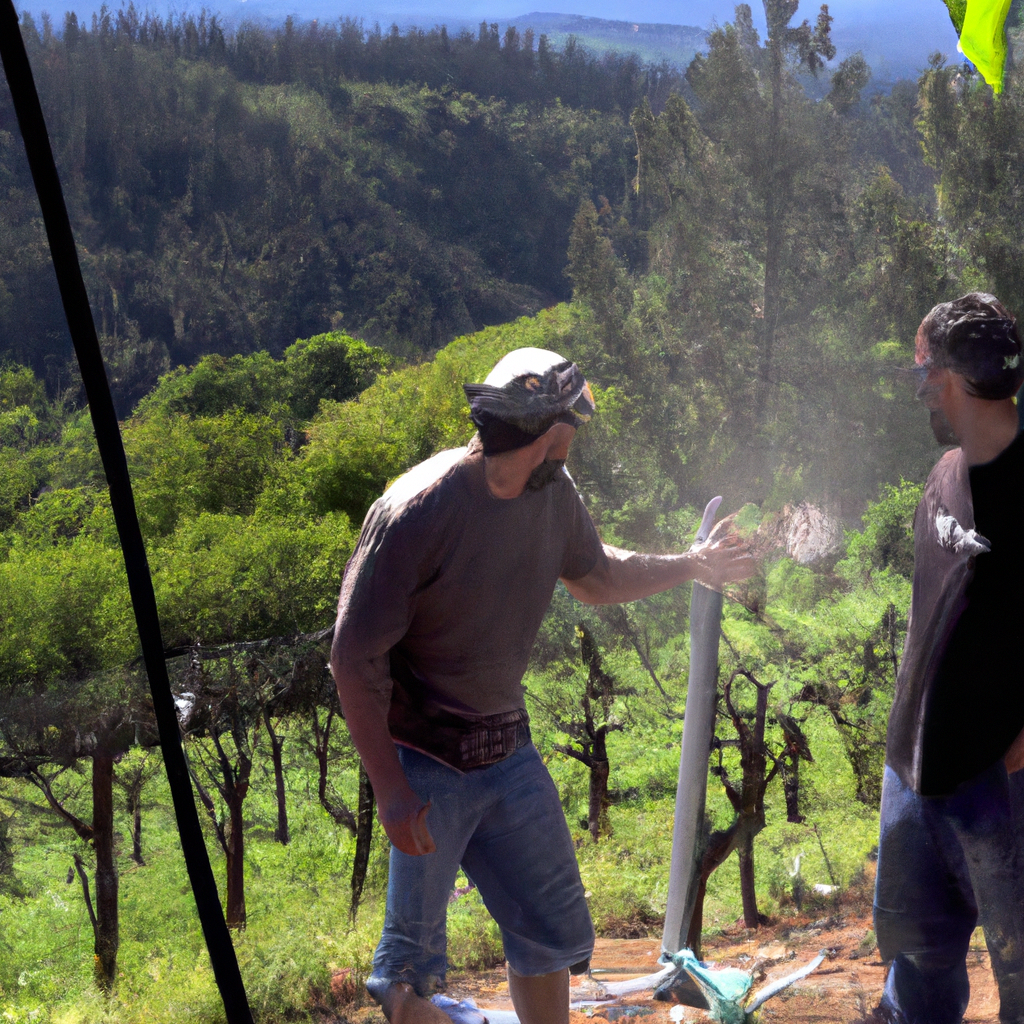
{"type": "Point", "coordinates": [297, 896]}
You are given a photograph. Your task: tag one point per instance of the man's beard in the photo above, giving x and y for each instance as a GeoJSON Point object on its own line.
{"type": "Point", "coordinates": [544, 474]}
{"type": "Point", "coordinates": [942, 428]}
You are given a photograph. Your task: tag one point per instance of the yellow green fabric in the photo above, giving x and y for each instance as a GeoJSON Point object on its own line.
{"type": "Point", "coordinates": [981, 24]}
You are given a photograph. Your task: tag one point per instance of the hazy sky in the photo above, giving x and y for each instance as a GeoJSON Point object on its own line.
{"type": "Point", "coordinates": [931, 15]}
{"type": "Point", "coordinates": [674, 12]}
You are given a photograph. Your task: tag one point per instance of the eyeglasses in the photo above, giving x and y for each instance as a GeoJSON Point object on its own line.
{"type": "Point", "coordinates": [927, 387]}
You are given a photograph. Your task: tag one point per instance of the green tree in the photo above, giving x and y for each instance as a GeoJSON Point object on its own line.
{"type": "Point", "coordinates": [752, 103]}
{"type": "Point", "coordinates": [588, 727]}
{"type": "Point", "coordinates": [972, 141]}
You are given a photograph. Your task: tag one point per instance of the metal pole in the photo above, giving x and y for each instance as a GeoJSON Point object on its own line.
{"type": "Point", "coordinates": [698, 729]}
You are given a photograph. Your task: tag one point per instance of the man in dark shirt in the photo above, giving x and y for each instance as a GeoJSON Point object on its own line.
{"type": "Point", "coordinates": [948, 854]}
{"type": "Point", "coordinates": [439, 609]}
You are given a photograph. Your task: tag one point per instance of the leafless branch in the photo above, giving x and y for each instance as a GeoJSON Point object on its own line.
{"type": "Point", "coordinates": [80, 868]}
{"type": "Point", "coordinates": [38, 779]}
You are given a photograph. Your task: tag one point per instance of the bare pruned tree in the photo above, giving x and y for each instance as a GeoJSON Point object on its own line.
{"type": "Point", "coordinates": [223, 724]}
{"type": "Point", "coordinates": [134, 771]}
{"type": "Point", "coordinates": [588, 720]}
{"type": "Point", "coordinates": [45, 743]}
{"type": "Point", "coordinates": [759, 765]}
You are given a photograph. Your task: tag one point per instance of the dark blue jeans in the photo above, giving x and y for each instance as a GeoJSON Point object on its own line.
{"type": "Point", "coordinates": [944, 865]}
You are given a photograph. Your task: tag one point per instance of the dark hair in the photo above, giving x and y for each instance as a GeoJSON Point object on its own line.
{"type": "Point", "coordinates": [976, 337]}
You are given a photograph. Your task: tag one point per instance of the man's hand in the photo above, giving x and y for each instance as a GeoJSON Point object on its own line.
{"type": "Point", "coordinates": [725, 557]}
{"type": "Point", "coordinates": [404, 817]}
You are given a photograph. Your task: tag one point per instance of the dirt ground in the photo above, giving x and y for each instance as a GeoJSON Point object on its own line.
{"type": "Point", "coordinates": [843, 990]}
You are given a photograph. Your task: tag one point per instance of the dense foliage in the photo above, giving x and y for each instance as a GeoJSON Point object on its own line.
{"type": "Point", "coordinates": [233, 193]}
{"type": "Point", "coordinates": [747, 268]}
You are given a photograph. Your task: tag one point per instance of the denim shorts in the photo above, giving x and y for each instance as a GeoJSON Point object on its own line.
{"type": "Point", "coordinates": [505, 826]}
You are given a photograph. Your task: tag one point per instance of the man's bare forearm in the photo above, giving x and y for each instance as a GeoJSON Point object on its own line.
{"type": "Point", "coordinates": [623, 576]}
{"type": "Point", "coordinates": [367, 723]}
{"type": "Point", "coordinates": [402, 813]}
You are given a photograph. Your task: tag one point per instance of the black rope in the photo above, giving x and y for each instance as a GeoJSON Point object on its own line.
{"type": "Point", "coordinates": [108, 438]}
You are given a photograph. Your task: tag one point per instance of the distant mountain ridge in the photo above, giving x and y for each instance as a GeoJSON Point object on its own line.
{"type": "Point", "coordinates": [678, 44]}
{"type": "Point", "coordinates": [896, 42]}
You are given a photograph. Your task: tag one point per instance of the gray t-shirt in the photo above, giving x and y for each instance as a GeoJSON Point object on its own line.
{"type": "Point", "coordinates": [453, 583]}
{"type": "Point", "coordinates": [941, 575]}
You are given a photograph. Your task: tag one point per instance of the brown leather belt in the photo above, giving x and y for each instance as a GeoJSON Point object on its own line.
{"type": "Point", "coordinates": [463, 743]}
{"type": "Point", "coordinates": [492, 739]}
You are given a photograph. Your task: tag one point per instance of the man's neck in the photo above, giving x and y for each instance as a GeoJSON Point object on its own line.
{"type": "Point", "coordinates": [508, 473]}
{"type": "Point", "coordinates": [986, 429]}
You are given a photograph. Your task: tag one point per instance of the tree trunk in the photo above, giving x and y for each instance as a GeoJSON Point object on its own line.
{"type": "Point", "coordinates": [234, 852]}
{"type": "Point", "coordinates": [321, 737]}
{"type": "Point", "coordinates": [598, 805]}
{"type": "Point", "coordinates": [364, 840]}
{"type": "Point", "coordinates": [135, 810]}
{"type": "Point", "coordinates": [7, 879]}
{"type": "Point", "coordinates": [106, 926]}
{"type": "Point", "coordinates": [745, 850]}
{"type": "Point", "coordinates": [281, 834]}
{"type": "Point", "coordinates": [791, 787]}
{"type": "Point", "coordinates": [719, 845]}
{"type": "Point", "coordinates": [748, 803]}
{"type": "Point", "coordinates": [774, 201]}
{"type": "Point", "coordinates": [137, 831]}
{"type": "Point", "coordinates": [693, 934]}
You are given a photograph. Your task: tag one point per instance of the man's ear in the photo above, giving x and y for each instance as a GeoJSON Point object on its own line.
{"type": "Point", "coordinates": [957, 383]}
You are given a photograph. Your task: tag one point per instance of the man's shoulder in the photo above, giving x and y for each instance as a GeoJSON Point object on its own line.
{"type": "Point", "coordinates": [948, 463]}
{"type": "Point", "coordinates": [413, 513]}
{"type": "Point", "coordinates": [409, 490]}
{"type": "Point", "coordinates": [948, 477]}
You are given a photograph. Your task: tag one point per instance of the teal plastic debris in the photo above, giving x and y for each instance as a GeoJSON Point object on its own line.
{"type": "Point", "coordinates": [725, 989]}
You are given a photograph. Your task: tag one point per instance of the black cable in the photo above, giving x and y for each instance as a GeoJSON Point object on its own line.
{"type": "Point", "coordinates": [108, 438]}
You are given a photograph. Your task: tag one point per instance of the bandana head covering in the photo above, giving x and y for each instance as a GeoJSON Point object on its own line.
{"type": "Point", "coordinates": [975, 337]}
{"type": "Point", "coordinates": [527, 392]}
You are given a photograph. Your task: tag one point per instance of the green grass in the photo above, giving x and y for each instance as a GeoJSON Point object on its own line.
{"type": "Point", "coordinates": [298, 928]}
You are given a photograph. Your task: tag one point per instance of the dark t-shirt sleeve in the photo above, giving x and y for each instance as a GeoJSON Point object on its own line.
{"type": "Point", "coordinates": [584, 546]}
{"type": "Point", "coordinates": [379, 591]}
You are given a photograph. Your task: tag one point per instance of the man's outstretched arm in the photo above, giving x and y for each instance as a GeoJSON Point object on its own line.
{"type": "Point", "coordinates": [621, 576]}
{"type": "Point", "coordinates": [402, 813]}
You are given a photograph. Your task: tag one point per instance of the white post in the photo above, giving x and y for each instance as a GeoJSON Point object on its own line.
{"type": "Point", "coordinates": [698, 729]}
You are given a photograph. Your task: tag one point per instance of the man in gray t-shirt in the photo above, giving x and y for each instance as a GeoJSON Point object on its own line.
{"type": "Point", "coordinates": [439, 609]}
